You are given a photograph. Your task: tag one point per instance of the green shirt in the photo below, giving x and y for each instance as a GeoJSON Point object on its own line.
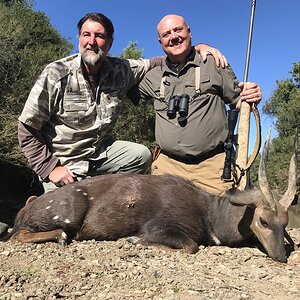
{"type": "Point", "coordinates": [206, 125]}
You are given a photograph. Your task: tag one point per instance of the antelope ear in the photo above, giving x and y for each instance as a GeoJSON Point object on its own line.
{"type": "Point", "coordinates": [31, 199]}
{"type": "Point", "coordinates": [251, 198]}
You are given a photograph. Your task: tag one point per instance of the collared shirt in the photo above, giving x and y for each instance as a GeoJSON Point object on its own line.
{"type": "Point", "coordinates": [206, 124]}
{"type": "Point", "coordinates": [75, 122]}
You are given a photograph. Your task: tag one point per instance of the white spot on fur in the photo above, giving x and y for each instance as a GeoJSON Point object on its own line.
{"type": "Point", "coordinates": [67, 221]}
{"type": "Point", "coordinates": [55, 217]}
{"type": "Point", "coordinates": [91, 198]}
{"type": "Point", "coordinates": [50, 201]}
{"type": "Point", "coordinates": [78, 190]}
{"type": "Point", "coordinates": [48, 207]}
{"type": "Point", "coordinates": [85, 194]}
{"type": "Point", "coordinates": [215, 239]}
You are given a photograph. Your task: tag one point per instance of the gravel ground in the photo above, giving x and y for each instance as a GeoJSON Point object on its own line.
{"type": "Point", "coordinates": [119, 270]}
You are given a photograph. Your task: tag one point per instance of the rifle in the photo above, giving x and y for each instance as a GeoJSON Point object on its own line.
{"type": "Point", "coordinates": [232, 116]}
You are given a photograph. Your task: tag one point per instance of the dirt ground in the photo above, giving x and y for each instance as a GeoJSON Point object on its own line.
{"type": "Point", "coordinates": [119, 270]}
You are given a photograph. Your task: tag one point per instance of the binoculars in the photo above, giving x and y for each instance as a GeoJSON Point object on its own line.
{"type": "Point", "coordinates": [180, 104]}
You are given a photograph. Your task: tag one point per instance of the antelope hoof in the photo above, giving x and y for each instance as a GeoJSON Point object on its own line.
{"type": "Point", "coordinates": [135, 240]}
{"type": "Point", "coordinates": [62, 240]}
{"type": "Point", "coordinates": [3, 229]}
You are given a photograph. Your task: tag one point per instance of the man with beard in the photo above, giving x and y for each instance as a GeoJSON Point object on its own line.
{"type": "Point", "coordinates": [65, 128]}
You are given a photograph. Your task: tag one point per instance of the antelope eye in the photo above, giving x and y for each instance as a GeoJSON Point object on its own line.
{"type": "Point", "coordinates": [263, 222]}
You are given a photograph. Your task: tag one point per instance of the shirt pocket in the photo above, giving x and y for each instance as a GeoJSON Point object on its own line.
{"type": "Point", "coordinates": [210, 85]}
{"type": "Point", "coordinates": [77, 112]}
{"type": "Point", "coordinates": [110, 106]}
{"type": "Point", "coordinates": [189, 88]}
{"type": "Point", "coordinates": [75, 105]}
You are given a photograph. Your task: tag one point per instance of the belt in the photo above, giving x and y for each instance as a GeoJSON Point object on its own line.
{"type": "Point", "coordinates": [193, 160]}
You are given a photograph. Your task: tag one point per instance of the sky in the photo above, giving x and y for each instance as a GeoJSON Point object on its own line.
{"type": "Point", "coordinates": [223, 24]}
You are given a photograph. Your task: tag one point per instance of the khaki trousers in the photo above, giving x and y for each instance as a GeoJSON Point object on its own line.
{"type": "Point", "coordinates": [122, 157]}
{"type": "Point", "coordinates": [206, 175]}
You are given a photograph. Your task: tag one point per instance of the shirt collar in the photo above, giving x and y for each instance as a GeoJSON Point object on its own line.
{"type": "Point", "coordinates": [193, 59]}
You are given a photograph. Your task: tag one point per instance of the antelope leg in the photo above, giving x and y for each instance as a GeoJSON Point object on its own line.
{"type": "Point", "coordinates": [25, 236]}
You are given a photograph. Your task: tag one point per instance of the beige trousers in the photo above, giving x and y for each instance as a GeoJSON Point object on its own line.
{"type": "Point", "coordinates": [206, 175]}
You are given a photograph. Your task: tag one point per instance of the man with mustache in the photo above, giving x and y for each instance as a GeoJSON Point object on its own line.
{"type": "Point", "coordinates": [189, 100]}
{"type": "Point", "coordinates": [65, 128]}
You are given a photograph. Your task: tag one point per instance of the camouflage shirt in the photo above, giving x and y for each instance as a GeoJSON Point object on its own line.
{"type": "Point", "coordinates": [75, 122]}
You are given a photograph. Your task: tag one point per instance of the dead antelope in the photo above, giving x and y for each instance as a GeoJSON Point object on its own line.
{"type": "Point", "coordinates": [161, 210]}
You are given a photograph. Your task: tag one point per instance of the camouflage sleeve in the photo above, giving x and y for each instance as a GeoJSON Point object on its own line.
{"type": "Point", "coordinates": [156, 61]}
{"type": "Point", "coordinates": [137, 69]}
{"type": "Point", "coordinates": [42, 99]}
{"type": "Point", "coordinates": [34, 148]}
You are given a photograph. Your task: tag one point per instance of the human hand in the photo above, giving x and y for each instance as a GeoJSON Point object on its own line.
{"type": "Point", "coordinates": [61, 176]}
{"type": "Point", "coordinates": [251, 93]}
{"type": "Point", "coordinates": [204, 50]}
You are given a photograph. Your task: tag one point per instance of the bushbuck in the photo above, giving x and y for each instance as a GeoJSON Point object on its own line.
{"type": "Point", "coordinates": [158, 210]}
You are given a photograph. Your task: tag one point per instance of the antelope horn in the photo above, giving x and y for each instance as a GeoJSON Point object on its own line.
{"type": "Point", "coordinates": [289, 195]}
{"type": "Point", "coordinates": [262, 177]}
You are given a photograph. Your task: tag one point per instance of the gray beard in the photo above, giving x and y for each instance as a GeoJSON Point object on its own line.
{"type": "Point", "coordinates": [92, 60]}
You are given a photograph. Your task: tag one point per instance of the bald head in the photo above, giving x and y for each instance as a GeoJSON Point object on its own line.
{"type": "Point", "coordinates": [169, 19]}
{"type": "Point", "coordinates": [175, 38]}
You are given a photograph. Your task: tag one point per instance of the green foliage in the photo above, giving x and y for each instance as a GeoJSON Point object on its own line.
{"type": "Point", "coordinates": [278, 162]}
{"type": "Point", "coordinates": [27, 43]}
{"type": "Point", "coordinates": [131, 51]}
{"type": "Point", "coordinates": [254, 171]}
{"type": "Point", "coordinates": [136, 123]}
{"type": "Point", "coordinates": [284, 106]}
{"type": "Point", "coordinates": [9, 3]}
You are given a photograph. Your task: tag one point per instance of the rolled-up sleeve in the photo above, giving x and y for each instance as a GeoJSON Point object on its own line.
{"type": "Point", "coordinates": [231, 90]}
